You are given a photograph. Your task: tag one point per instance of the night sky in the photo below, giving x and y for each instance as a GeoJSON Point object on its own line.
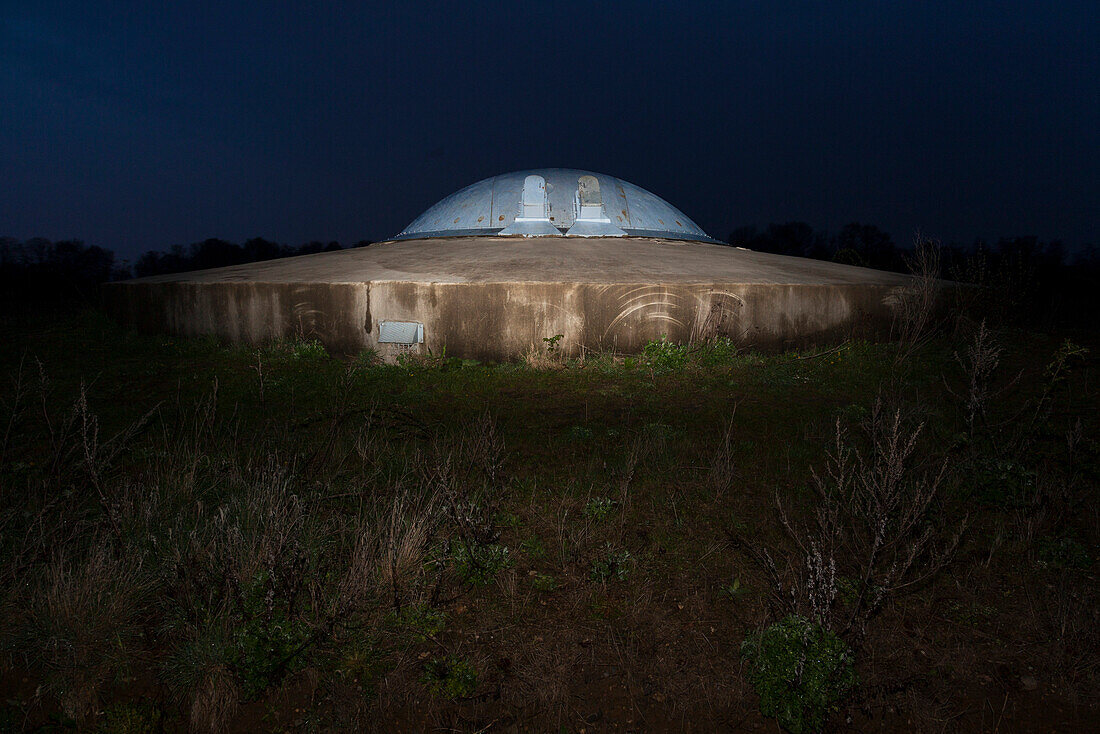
{"type": "Point", "coordinates": [137, 125]}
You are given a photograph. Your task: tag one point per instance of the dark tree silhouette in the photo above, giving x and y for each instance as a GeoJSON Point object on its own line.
{"type": "Point", "coordinates": [791, 238]}
{"type": "Point", "coordinates": [61, 271]}
{"type": "Point", "coordinates": [866, 245]}
{"type": "Point", "coordinates": [215, 253]}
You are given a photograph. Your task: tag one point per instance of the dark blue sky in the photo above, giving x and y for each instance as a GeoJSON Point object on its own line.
{"type": "Point", "coordinates": [136, 125]}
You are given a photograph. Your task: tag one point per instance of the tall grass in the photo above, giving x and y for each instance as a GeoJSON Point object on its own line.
{"type": "Point", "coordinates": [78, 626]}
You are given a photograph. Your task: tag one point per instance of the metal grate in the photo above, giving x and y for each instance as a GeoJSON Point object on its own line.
{"type": "Point", "coordinates": [400, 332]}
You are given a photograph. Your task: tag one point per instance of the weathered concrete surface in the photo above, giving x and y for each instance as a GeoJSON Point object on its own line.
{"type": "Point", "coordinates": [494, 297]}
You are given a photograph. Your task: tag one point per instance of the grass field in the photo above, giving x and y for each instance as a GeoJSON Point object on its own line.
{"type": "Point", "coordinates": [195, 535]}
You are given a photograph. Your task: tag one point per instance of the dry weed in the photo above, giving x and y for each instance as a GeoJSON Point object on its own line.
{"type": "Point", "coordinates": [404, 542]}
{"type": "Point", "coordinates": [360, 584]}
{"type": "Point", "coordinates": [483, 446]}
{"type": "Point", "coordinates": [872, 533]}
{"type": "Point", "coordinates": [1067, 618]}
{"type": "Point", "coordinates": [547, 356]}
{"type": "Point", "coordinates": [14, 406]}
{"type": "Point", "coordinates": [979, 363]}
{"type": "Point", "coordinates": [723, 465]}
{"type": "Point", "coordinates": [873, 520]}
{"type": "Point", "coordinates": [915, 305]}
{"type": "Point", "coordinates": [78, 626]}
{"type": "Point", "coordinates": [215, 702]}
{"type": "Point", "coordinates": [545, 673]}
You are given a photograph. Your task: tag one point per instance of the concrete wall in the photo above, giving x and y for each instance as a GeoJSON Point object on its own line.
{"type": "Point", "coordinates": [487, 320]}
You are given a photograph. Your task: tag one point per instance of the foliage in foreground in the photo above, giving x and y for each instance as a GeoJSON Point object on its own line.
{"type": "Point", "coordinates": [358, 530]}
{"type": "Point", "coordinates": [800, 671]}
{"type": "Point", "coordinates": [451, 677]}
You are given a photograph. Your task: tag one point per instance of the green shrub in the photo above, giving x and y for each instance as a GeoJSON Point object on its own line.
{"type": "Point", "coordinates": [268, 641]}
{"type": "Point", "coordinates": [292, 348]}
{"type": "Point", "coordinates": [580, 434]}
{"type": "Point", "coordinates": [479, 563]}
{"type": "Point", "coordinates": [1064, 552]}
{"type": "Point", "coordinates": [544, 582]}
{"type": "Point", "coordinates": [360, 660]}
{"type": "Point", "coordinates": [450, 677]}
{"type": "Point", "coordinates": [659, 433]}
{"type": "Point", "coordinates": [733, 589]}
{"type": "Point", "coordinates": [598, 508]}
{"type": "Point", "coordinates": [507, 520]}
{"type": "Point", "coordinates": [800, 671]}
{"type": "Point", "coordinates": [717, 351]}
{"type": "Point", "coordinates": [971, 614]}
{"type": "Point", "coordinates": [423, 621]}
{"type": "Point", "coordinates": [613, 565]}
{"type": "Point", "coordinates": [367, 358]}
{"type": "Point", "coordinates": [662, 356]}
{"type": "Point", "coordinates": [1003, 483]}
{"type": "Point", "coordinates": [533, 548]}
{"type": "Point", "coordinates": [307, 349]}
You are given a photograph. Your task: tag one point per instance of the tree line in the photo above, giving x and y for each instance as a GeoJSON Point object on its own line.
{"type": "Point", "coordinates": [1025, 278]}
{"type": "Point", "coordinates": [65, 270]}
{"type": "Point", "coordinates": [1022, 279]}
{"type": "Point", "coordinates": [215, 253]}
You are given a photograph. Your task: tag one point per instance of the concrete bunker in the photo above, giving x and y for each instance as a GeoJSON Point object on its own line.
{"type": "Point", "coordinates": [494, 268]}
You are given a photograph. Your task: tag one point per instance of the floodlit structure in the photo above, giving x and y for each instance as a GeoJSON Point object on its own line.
{"type": "Point", "coordinates": [552, 202]}
{"type": "Point", "coordinates": [498, 266]}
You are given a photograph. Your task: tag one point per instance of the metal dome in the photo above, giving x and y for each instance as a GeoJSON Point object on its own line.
{"type": "Point", "coordinates": [554, 202]}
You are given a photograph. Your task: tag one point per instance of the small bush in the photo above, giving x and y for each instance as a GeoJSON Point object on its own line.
{"type": "Point", "coordinates": [548, 356]}
{"type": "Point", "coordinates": [800, 671]}
{"type": "Point", "coordinates": [662, 356]}
{"type": "Point", "coordinates": [718, 351]}
{"type": "Point", "coordinates": [307, 349]}
{"type": "Point", "coordinates": [479, 563]}
{"type": "Point", "coordinates": [533, 548]}
{"type": "Point", "coordinates": [598, 508]}
{"type": "Point", "coordinates": [450, 677]}
{"type": "Point", "coordinates": [544, 582]}
{"type": "Point", "coordinates": [612, 566]}
{"type": "Point", "coordinates": [1064, 552]}
{"type": "Point", "coordinates": [423, 621]}
{"type": "Point", "coordinates": [268, 642]}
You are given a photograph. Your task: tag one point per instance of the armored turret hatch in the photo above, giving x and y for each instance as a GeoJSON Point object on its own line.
{"type": "Point", "coordinates": [533, 217]}
{"type": "Point", "coordinates": [552, 202]}
{"type": "Point", "coordinates": [589, 216]}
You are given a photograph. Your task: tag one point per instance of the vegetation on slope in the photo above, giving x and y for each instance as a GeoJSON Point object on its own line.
{"type": "Point", "coordinates": [195, 535]}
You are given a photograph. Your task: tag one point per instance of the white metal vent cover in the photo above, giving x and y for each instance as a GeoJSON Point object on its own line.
{"type": "Point", "coordinates": [400, 332]}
